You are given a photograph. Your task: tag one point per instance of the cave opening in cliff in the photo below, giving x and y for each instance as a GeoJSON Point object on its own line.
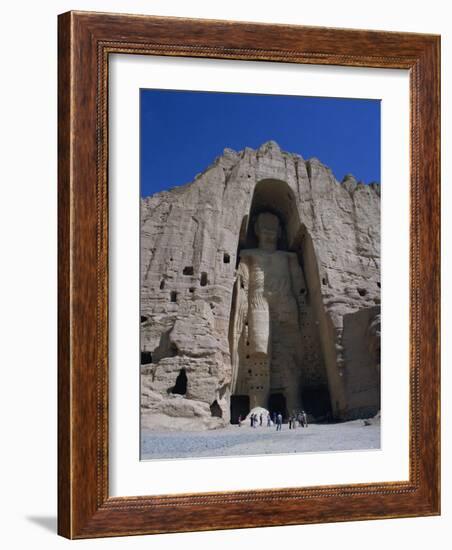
{"type": "Point", "coordinates": [240, 407]}
{"type": "Point", "coordinates": [215, 409]}
{"type": "Point", "coordinates": [277, 404]}
{"type": "Point", "coordinates": [146, 357]}
{"type": "Point", "coordinates": [204, 279]}
{"type": "Point", "coordinates": [180, 387]}
{"type": "Point", "coordinates": [316, 400]}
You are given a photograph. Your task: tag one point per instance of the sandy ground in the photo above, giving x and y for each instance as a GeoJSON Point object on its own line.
{"type": "Point", "coordinates": [233, 441]}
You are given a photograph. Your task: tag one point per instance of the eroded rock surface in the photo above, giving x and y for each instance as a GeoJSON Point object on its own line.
{"type": "Point", "coordinates": [191, 240]}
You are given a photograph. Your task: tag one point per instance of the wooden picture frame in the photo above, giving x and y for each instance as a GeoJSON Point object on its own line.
{"type": "Point", "coordinates": [85, 42]}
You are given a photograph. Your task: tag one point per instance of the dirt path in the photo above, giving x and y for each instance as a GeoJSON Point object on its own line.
{"type": "Point", "coordinates": [233, 441]}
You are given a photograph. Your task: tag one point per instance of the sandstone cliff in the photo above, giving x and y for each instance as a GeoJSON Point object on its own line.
{"type": "Point", "coordinates": [191, 237]}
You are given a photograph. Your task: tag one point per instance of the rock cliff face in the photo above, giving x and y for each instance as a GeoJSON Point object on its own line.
{"type": "Point", "coordinates": [191, 239]}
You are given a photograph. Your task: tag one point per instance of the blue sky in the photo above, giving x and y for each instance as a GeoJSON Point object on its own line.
{"type": "Point", "coordinates": [182, 132]}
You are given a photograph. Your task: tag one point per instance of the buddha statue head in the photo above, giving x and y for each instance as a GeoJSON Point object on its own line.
{"type": "Point", "coordinates": [268, 230]}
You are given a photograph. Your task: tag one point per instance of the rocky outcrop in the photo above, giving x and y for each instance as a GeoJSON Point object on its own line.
{"type": "Point", "coordinates": [191, 238]}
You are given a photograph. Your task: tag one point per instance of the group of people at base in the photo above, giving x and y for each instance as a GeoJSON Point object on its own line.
{"type": "Point", "coordinates": [276, 419]}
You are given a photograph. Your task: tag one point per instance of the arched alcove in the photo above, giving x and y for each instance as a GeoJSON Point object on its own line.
{"type": "Point", "coordinates": [275, 196]}
{"type": "Point", "coordinates": [180, 387]}
{"type": "Point", "coordinates": [292, 367]}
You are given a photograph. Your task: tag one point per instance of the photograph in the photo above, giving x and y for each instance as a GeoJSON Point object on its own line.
{"type": "Point", "coordinates": [260, 287]}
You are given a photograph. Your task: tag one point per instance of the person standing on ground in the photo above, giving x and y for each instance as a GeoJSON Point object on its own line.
{"type": "Point", "coordinates": [305, 419]}
{"type": "Point", "coordinates": [278, 422]}
{"type": "Point", "coordinates": [300, 420]}
{"type": "Point", "coordinates": [269, 420]}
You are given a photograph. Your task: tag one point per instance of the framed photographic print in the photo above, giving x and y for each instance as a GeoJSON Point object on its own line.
{"type": "Point", "coordinates": [248, 275]}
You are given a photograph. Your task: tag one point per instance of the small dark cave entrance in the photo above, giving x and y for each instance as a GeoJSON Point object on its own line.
{"type": "Point", "coordinates": [215, 409]}
{"type": "Point", "coordinates": [203, 281]}
{"type": "Point", "coordinates": [240, 406]}
{"type": "Point", "coordinates": [146, 357]}
{"type": "Point", "coordinates": [316, 402]}
{"type": "Point", "coordinates": [180, 387]}
{"type": "Point", "coordinates": [277, 404]}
